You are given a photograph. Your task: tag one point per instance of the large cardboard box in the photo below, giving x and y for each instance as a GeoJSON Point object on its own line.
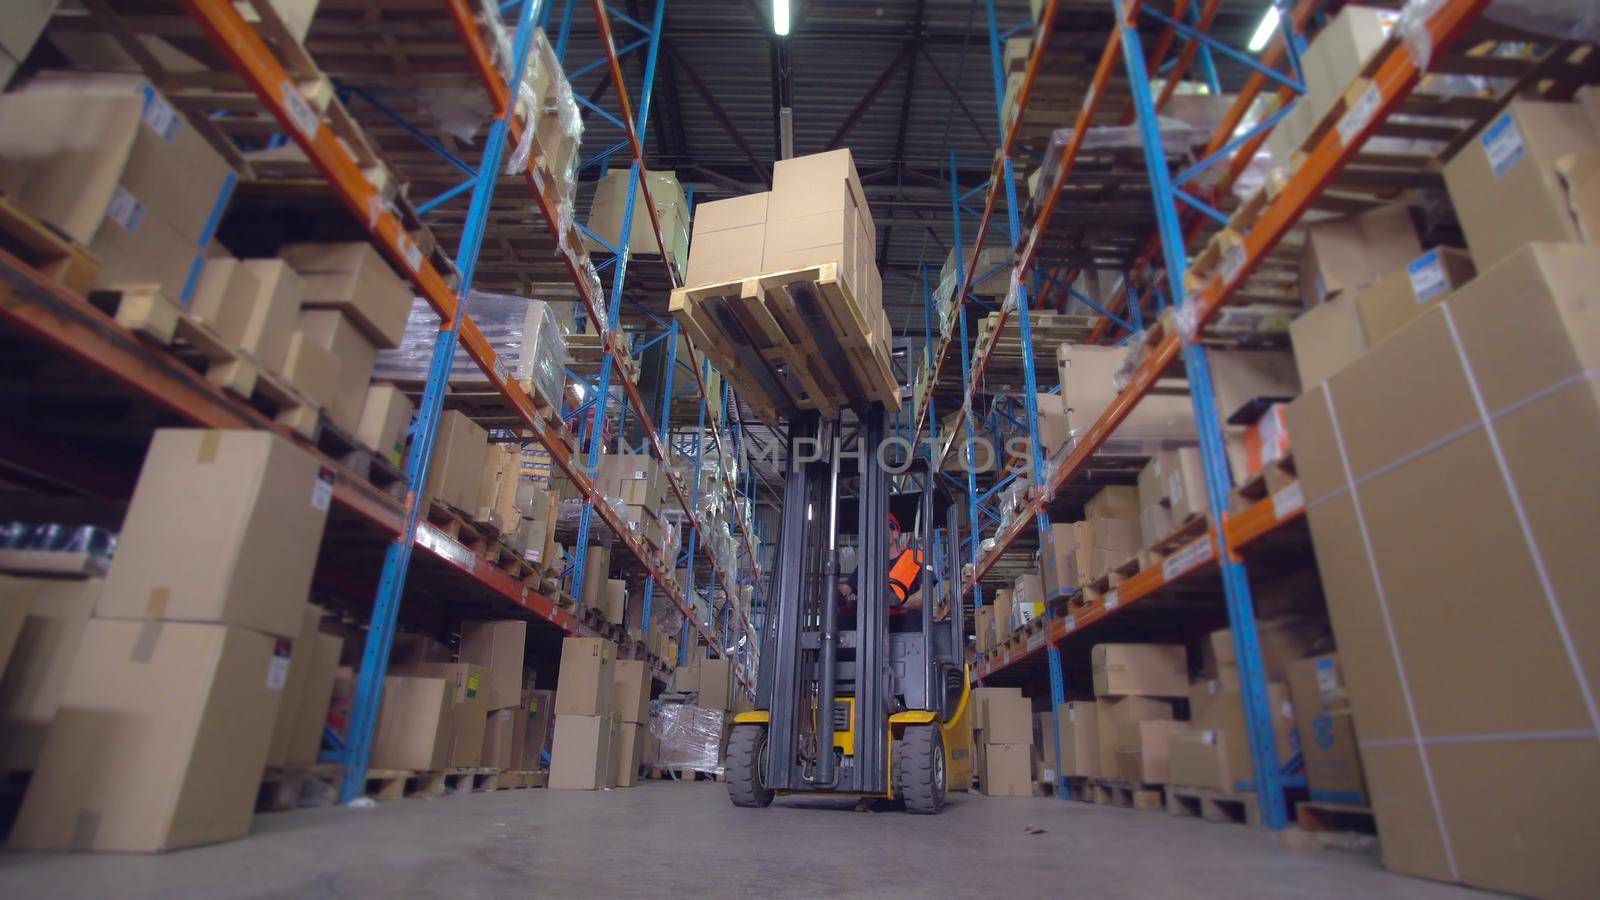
{"type": "Point", "coordinates": [716, 683]}
{"type": "Point", "coordinates": [415, 724]}
{"type": "Point", "coordinates": [1079, 738]}
{"type": "Point", "coordinates": [1007, 719]}
{"type": "Point", "coordinates": [1403, 294]}
{"type": "Point", "coordinates": [607, 208]}
{"type": "Point", "coordinates": [1409, 588]}
{"type": "Point", "coordinates": [224, 526]}
{"type": "Point", "coordinates": [1003, 601]}
{"type": "Point", "coordinates": [332, 331]}
{"type": "Point", "coordinates": [356, 280]}
{"type": "Point", "coordinates": [1504, 183]}
{"type": "Point", "coordinates": [1008, 770]}
{"type": "Point", "coordinates": [631, 691]}
{"type": "Point", "coordinates": [1142, 750]}
{"type": "Point", "coordinates": [312, 369]}
{"type": "Point", "coordinates": [614, 600]}
{"type": "Point", "coordinates": [581, 757]}
{"type": "Point", "coordinates": [1199, 759]}
{"type": "Point", "coordinates": [1349, 253]}
{"type": "Point", "coordinates": [627, 753]}
{"type": "Point", "coordinates": [458, 453]}
{"type": "Point", "coordinates": [1246, 381]}
{"type": "Point", "coordinates": [1326, 338]}
{"type": "Point", "coordinates": [980, 703]}
{"type": "Point", "coordinates": [1111, 712]}
{"type": "Point", "coordinates": [498, 647]}
{"type": "Point", "coordinates": [386, 421]}
{"type": "Point", "coordinates": [1218, 708]}
{"type": "Point", "coordinates": [159, 741]}
{"type": "Point", "coordinates": [728, 239]}
{"type": "Point", "coordinates": [251, 303]}
{"type": "Point", "coordinates": [584, 685]}
{"type": "Point", "coordinates": [497, 731]}
{"type": "Point", "coordinates": [531, 732]}
{"type": "Point", "coordinates": [56, 612]}
{"type": "Point", "coordinates": [25, 21]}
{"type": "Point", "coordinates": [1339, 54]}
{"type": "Point", "coordinates": [1058, 559]}
{"type": "Point", "coordinates": [1086, 387]}
{"type": "Point", "coordinates": [1327, 731]}
{"type": "Point", "coordinates": [1146, 670]}
{"type": "Point", "coordinates": [316, 696]}
{"type": "Point", "coordinates": [468, 685]}
{"type": "Point", "coordinates": [299, 669]}
{"type": "Point", "coordinates": [983, 627]}
{"type": "Point", "coordinates": [1282, 640]}
{"type": "Point", "coordinates": [1174, 479]}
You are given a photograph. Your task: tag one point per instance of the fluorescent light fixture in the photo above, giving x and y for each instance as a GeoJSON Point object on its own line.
{"type": "Point", "coordinates": [1269, 24]}
{"type": "Point", "coordinates": [780, 17]}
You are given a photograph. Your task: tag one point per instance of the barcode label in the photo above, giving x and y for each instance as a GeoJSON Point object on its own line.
{"type": "Point", "coordinates": [1287, 501]}
{"type": "Point", "coordinates": [1427, 276]}
{"type": "Point", "coordinates": [322, 489]}
{"type": "Point", "coordinates": [160, 116]}
{"type": "Point", "coordinates": [1197, 552]}
{"type": "Point", "coordinates": [435, 540]}
{"type": "Point", "coordinates": [1112, 600]}
{"type": "Point", "coordinates": [1503, 145]}
{"type": "Point", "coordinates": [1356, 119]}
{"type": "Point", "coordinates": [278, 667]}
{"type": "Point", "coordinates": [125, 209]}
{"type": "Point", "coordinates": [1233, 262]}
{"type": "Point", "coordinates": [301, 115]}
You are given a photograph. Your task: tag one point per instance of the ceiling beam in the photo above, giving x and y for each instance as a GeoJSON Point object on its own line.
{"type": "Point", "coordinates": [872, 95]}
{"type": "Point", "coordinates": [983, 136]}
{"type": "Point", "coordinates": [717, 112]}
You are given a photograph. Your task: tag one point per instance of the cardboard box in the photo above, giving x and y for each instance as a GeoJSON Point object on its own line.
{"type": "Point", "coordinates": [469, 707]}
{"type": "Point", "coordinates": [531, 733]}
{"type": "Point", "coordinates": [1142, 755]}
{"type": "Point", "coordinates": [1403, 294]}
{"type": "Point", "coordinates": [458, 453]}
{"type": "Point", "coordinates": [729, 236]}
{"type": "Point", "coordinates": [1002, 613]}
{"type": "Point", "coordinates": [1058, 559]}
{"type": "Point", "coordinates": [415, 724]}
{"type": "Point", "coordinates": [1008, 770]}
{"type": "Point", "coordinates": [1146, 670]}
{"type": "Point", "coordinates": [614, 600]}
{"type": "Point", "coordinates": [1349, 253]}
{"type": "Point", "coordinates": [596, 564]}
{"type": "Point", "coordinates": [584, 683]}
{"type": "Point", "coordinates": [1504, 183]}
{"type": "Point", "coordinates": [1111, 712]}
{"type": "Point", "coordinates": [386, 421]}
{"type": "Point", "coordinates": [1085, 373]}
{"type": "Point", "coordinates": [980, 702]}
{"type": "Point", "coordinates": [356, 280]}
{"type": "Point", "coordinates": [407, 650]}
{"type": "Point", "coordinates": [1340, 52]}
{"type": "Point", "coordinates": [1199, 759]}
{"type": "Point", "coordinates": [627, 753]}
{"type": "Point", "coordinates": [1282, 641]}
{"type": "Point", "coordinates": [263, 325]}
{"type": "Point", "coordinates": [1580, 176]}
{"type": "Point", "coordinates": [581, 757]}
{"type": "Point", "coordinates": [1246, 381]}
{"type": "Point", "coordinates": [716, 683]}
{"type": "Point", "coordinates": [1079, 738]}
{"type": "Point", "coordinates": [312, 370]}
{"type": "Point", "coordinates": [24, 22]}
{"type": "Point", "coordinates": [497, 729]}
{"type": "Point", "coordinates": [686, 679]}
{"type": "Point", "coordinates": [299, 668]}
{"type": "Point", "coordinates": [1027, 599]}
{"type": "Point", "coordinates": [1326, 338]}
{"type": "Point", "coordinates": [56, 612]}
{"type": "Point", "coordinates": [1007, 720]}
{"type": "Point", "coordinates": [497, 647]}
{"type": "Point", "coordinates": [1215, 706]}
{"type": "Point", "coordinates": [608, 206]}
{"type": "Point", "coordinates": [1044, 741]}
{"type": "Point", "coordinates": [1327, 731]}
{"type": "Point", "coordinates": [159, 741]}
{"type": "Point", "coordinates": [983, 627]}
{"type": "Point", "coordinates": [246, 511]}
{"type": "Point", "coordinates": [316, 697]}
{"type": "Point", "coordinates": [332, 331]}
{"type": "Point", "coordinates": [631, 691]}
{"type": "Point", "coordinates": [1118, 501]}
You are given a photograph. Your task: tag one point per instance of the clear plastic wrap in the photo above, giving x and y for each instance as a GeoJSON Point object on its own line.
{"type": "Point", "coordinates": [687, 737]}
{"type": "Point", "coordinates": [523, 333]}
{"type": "Point", "coordinates": [54, 548]}
{"type": "Point", "coordinates": [1135, 352]}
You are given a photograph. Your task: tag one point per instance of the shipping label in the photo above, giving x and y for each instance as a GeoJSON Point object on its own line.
{"type": "Point", "coordinates": [1287, 501]}
{"type": "Point", "coordinates": [1192, 555]}
{"type": "Point", "coordinates": [160, 116]}
{"type": "Point", "coordinates": [278, 668]}
{"type": "Point", "coordinates": [322, 489]}
{"type": "Point", "coordinates": [1502, 145]}
{"type": "Point", "coordinates": [125, 210]}
{"type": "Point", "coordinates": [1427, 276]}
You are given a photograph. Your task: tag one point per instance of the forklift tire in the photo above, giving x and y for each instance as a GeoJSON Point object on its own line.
{"type": "Point", "coordinates": [920, 769]}
{"type": "Point", "coordinates": [747, 750]}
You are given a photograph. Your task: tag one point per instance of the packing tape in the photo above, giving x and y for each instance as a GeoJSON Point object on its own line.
{"type": "Point", "coordinates": [156, 607]}
{"type": "Point", "coordinates": [1545, 584]}
{"type": "Point", "coordinates": [144, 646]}
{"type": "Point", "coordinates": [208, 447]}
{"type": "Point", "coordinates": [85, 829]}
{"type": "Point", "coordinates": [1388, 627]}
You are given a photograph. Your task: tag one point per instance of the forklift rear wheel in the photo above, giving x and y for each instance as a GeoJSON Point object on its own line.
{"type": "Point", "coordinates": [747, 751]}
{"type": "Point", "coordinates": [919, 760]}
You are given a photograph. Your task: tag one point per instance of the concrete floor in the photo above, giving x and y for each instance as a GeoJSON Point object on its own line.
{"type": "Point", "coordinates": [679, 839]}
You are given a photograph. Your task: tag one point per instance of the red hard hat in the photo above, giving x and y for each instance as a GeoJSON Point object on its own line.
{"type": "Point", "coordinates": [895, 522]}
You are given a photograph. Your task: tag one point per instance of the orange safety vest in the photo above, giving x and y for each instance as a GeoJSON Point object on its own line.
{"type": "Point", "coordinates": [904, 572]}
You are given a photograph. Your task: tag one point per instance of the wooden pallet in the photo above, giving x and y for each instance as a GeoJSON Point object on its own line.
{"type": "Point", "coordinates": [54, 255]}
{"type": "Point", "coordinates": [395, 784]}
{"type": "Point", "coordinates": [1273, 477]}
{"type": "Point", "coordinates": [1154, 555]}
{"type": "Point", "coordinates": [1213, 805]}
{"type": "Point", "coordinates": [1080, 789]}
{"type": "Point", "coordinates": [363, 461]}
{"type": "Point", "coordinates": [1313, 816]}
{"type": "Point", "coordinates": [794, 340]}
{"type": "Point", "coordinates": [470, 779]}
{"type": "Point", "coordinates": [673, 774]}
{"type": "Point", "coordinates": [1109, 580]}
{"type": "Point", "coordinates": [1127, 795]}
{"type": "Point", "coordinates": [518, 780]}
{"type": "Point", "coordinates": [292, 787]}
{"type": "Point", "coordinates": [145, 310]}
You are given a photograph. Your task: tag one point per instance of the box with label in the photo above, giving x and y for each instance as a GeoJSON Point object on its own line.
{"type": "Point", "coordinates": [1058, 559]}
{"type": "Point", "coordinates": [1327, 731]}
{"type": "Point", "coordinates": [1349, 253]}
{"type": "Point", "coordinates": [497, 647]}
{"type": "Point", "coordinates": [1281, 640]}
{"type": "Point", "coordinates": [458, 451]}
{"type": "Point", "coordinates": [1245, 382]}
{"type": "Point", "coordinates": [468, 685]}
{"type": "Point", "coordinates": [580, 759]}
{"type": "Point", "coordinates": [584, 683]}
{"type": "Point", "coordinates": [251, 304]}
{"type": "Point", "coordinates": [56, 611]}
{"type": "Point", "coordinates": [356, 280]}
{"type": "Point", "coordinates": [497, 730]}
{"type": "Point", "coordinates": [316, 698]}
{"type": "Point", "coordinates": [614, 600]}
{"type": "Point", "coordinates": [1079, 738]}
{"type": "Point", "coordinates": [1087, 388]}
{"type": "Point", "coordinates": [1504, 184]}
{"type": "Point", "coordinates": [1403, 294]}
{"type": "Point", "coordinates": [1215, 706]}
{"type": "Point", "coordinates": [631, 691]}
{"type": "Point", "coordinates": [531, 732]}
{"type": "Point", "coordinates": [244, 509]}
{"type": "Point", "coordinates": [302, 650]}
{"type": "Point", "coordinates": [1199, 759]}
{"type": "Point", "coordinates": [159, 741]}
{"type": "Point", "coordinates": [331, 330]}
{"type": "Point", "coordinates": [1148, 670]}
{"type": "Point", "coordinates": [983, 627]}
{"type": "Point", "coordinates": [386, 421]}
{"type": "Point", "coordinates": [607, 208]}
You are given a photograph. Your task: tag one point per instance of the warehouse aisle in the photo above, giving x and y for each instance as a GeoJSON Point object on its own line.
{"type": "Point", "coordinates": [665, 839]}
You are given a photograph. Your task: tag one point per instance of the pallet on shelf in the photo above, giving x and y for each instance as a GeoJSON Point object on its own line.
{"type": "Point", "coordinates": [1154, 555]}
{"type": "Point", "coordinates": [55, 256]}
{"type": "Point", "coordinates": [1274, 476]}
{"type": "Point", "coordinates": [1214, 805]}
{"type": "Point", "coordinates": [1127, 794]}
{"type": "Point", "coordinates": [1109, 580]}
{"type": "Point", "coordinates": [145, 310]}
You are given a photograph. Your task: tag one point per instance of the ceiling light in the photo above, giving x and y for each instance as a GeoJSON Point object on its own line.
{"type": "Point", "coordinates": [780, 17]}
{"type": "Point", "coordinates": [1269, 24]}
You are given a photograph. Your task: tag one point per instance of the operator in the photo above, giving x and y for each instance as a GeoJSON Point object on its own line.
{"type": "Point", "coordinates": [905, 586]}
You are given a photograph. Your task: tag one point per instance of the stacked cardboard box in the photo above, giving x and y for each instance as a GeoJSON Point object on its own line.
{"type": "Point", "coordinates": [1339, 53]}
{"type": "Point", "coordinates": [638, 480]}
{"type": "Point", "coordinates": [1078, 737]}
{"type": "Point", "coordinates": [455, 473]}
{"type": "Point", "coordinates": [497, 648]}
{"type": "Point", "coordinates": [167, 713]}
{"type": "Point", "coordinates": [586, 717]}
{"type": "Point", "coordinates": [1172, 492]}
{"type": "Point", "coordinates": [672, 210]}
{"type": "Point", "coordinates": [1109, 534]}
{"type": "Point", "coordinates": [536, 535]}
{"type": "Point", "coordinates": [1002, 721]}
{"type": "Point", "coordinates": [1087, 389]}
{"type": "Point", "coordinates": [1027, 600]}
{"type": "Point", "coordinates": [49, 616]}
{"type": "Point", "coordinates": [1134, 685]}
{"type": "Point", "coordinates": [530, 732]}
{"type": "Point", "coordinates": [307, 693]}
{"type": "Point", "coordinates": [386, 421]}
{"type": "Point", "coordinates": [631, 700]}
{"type": "Point", "coordinates": [1327, 731]}
{"type": "Point", "coordinates": [501, 503]}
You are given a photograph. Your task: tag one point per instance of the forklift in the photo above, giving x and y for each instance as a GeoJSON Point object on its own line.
{"type": "Point", "coordinates": [854, 706]}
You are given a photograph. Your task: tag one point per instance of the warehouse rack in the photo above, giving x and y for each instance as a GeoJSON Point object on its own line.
{"type": "Point", "coordinates": [1196, 289]}
{"type": "Point", "coordinates": [297, 98]}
